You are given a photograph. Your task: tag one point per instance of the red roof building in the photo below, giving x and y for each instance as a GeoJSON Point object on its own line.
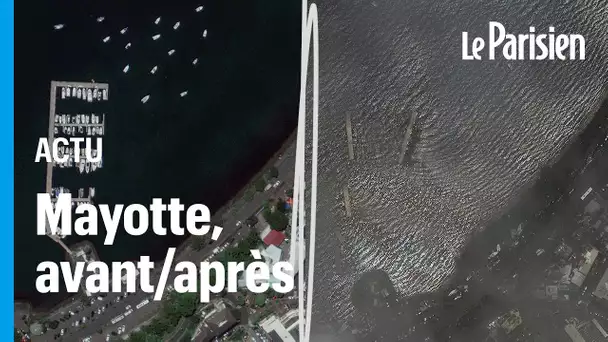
{"type": "Point", "coordinates": [274, 238]}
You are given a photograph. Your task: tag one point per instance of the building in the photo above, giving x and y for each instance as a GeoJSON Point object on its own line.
{"type": "Point", "coordinates": [573, 333]}
{"type": "Point", "coordinates": [601, 291]}
{"type": "Point", "coordinates": [586, 331]}
{"type": "Point", "coordinates": [272, 255]}
{"type": "Point", "coordinates": [273, 238]}
{"type": "Point", "coordinates": [217, 320]}
{"type": "Point", "coordinates": [284, 329]}
{"type": "Point", "coordinates": [579, 274]}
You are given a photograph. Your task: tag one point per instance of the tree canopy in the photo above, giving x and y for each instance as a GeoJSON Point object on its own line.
{"type": "Point", "coordinates": [275, 217]}
{"type": "Point", "coordinates": [272, 172]}
{"type": "Point", "coordinates": [199, 242]}
{"type": "Point", "coordinates": [259, 184]}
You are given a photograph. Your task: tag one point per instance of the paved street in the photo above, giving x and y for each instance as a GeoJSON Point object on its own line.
{"type": "Point", "coordinates": [113, 309]}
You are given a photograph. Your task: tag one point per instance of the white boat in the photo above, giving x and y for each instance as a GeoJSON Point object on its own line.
{"type": "Point", "coordinates": [81, 166]}
{"type": "Point", "coordinates": [195, 61]}
{"type": "Point", "coordinates": [156, 37]}
{"type": "Point", "coordinates": [79, 93]}
{"type": "Point", "coordinates": [89, 95]}
{"type": "Point", "coordinates": [171, 52]}
{"type": "Point", "coordinates": [95, 94]}
{"type": "Point", "coordinates": [87, 167]}
{"type": "Point", "coordinates": [93, 167]}
{"type": "Point", "coordinates": [100, 19]}
{"type": "Point", "coordinates": [157, 21]}
{"type": "Point", "coordinates": [125, 69]}
{"type": "Point", "coordinates": [145, 99]}
{"type": "Point", "coordinates": [104, 94]}
{"type": "Point", "coordinates": [91, 192]}
{"type": "Point", "coordinates": [56, 130]}
{"type": "Point", "coordinates": [127, 46]}
{"type": "Point", "coordinates": [176, 26]}
{"type": "Point", "coordinates": [58, 26]}
{"type": "Point", "coordinates": [183, 93]}
{"type": "Point", "coordinates": [63, 93]}
{"type": "Point", "coordinates": [205, 33]}
{"type": "Point", "coordinates": [106, 39]}
{"type": "Point", "coordinates": [124, 30]}
{"type": "Point", "coordinates": [199, 8]}
{"type": "Point", "coordinates": [153, 71]}
{"type": "Point", "coordinates": [68, 92]}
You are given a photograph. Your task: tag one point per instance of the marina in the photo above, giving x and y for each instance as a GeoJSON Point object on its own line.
{"type": "Point", "coordinates": [75, 125]}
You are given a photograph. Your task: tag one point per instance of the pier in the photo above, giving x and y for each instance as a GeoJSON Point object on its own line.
{"type": "Point", "coordinates": [407, 138]}
{"type": "Point", "coordinates": [55, 85]}
{"type": "Point", "coordinates": [349, 136]}
{"type": "Point", "coordinates": [347, 202]}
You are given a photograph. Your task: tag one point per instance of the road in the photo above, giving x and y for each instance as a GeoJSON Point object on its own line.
{"type": "Point", "coordinates": [285, 165]}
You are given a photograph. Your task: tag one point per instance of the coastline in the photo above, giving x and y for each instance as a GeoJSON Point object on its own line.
{"type": "Point", "coordinates": [26, 308]}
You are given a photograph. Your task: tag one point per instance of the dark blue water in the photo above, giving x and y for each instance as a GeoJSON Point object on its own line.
{"type": "Point", "coordinates": [241, 105]}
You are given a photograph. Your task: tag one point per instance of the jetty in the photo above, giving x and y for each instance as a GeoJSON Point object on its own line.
{"type": "Point", "coordinates": [59, 87]}
{"type": "Point", "coordinates": [349, 136]}
{"type": "Point", "coordinates": [407, 138]}
{"type": "Point", "coordinates": [347, 202]}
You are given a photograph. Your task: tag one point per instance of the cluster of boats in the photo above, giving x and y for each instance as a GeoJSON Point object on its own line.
{"type": "Point", "coordinates": [94, 94]}
{"type": "Point", "coordinates": [86, 94]}
{"type": "Point", "coordinates": [89, 124]}
{"type": "Point", "coordinates": [78, 201]}
{"type": "Point", "coordinates": [83, 165]}
{"type": "Point", "coordinates": [55, 192]}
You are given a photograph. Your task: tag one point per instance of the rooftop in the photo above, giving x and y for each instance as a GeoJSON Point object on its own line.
{"type": "Point", "coordinates": [274, 237]}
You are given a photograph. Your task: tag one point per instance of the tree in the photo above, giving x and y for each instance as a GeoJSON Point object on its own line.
{"type": "Point", "coordinates": [249, 193]}
{"type": "Point", "coordinates": [273, 172]}
{"type": "Point", "coordinates": [275, 218]}
{"type": "Point", "coordinates": [289, 193]}
{"type": "Point", "coordinates": [199, 242]}
{"type": "Point", "coordinates": [259, 184]}
{"type": "Point", "coordinates": [281, 205]}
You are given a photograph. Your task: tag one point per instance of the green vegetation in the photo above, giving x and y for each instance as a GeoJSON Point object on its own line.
{"type": "Point", "coordinates": [249, 193]}
{"type": "Point", "coordinates": [260, 300]}
{"type": "Point", "coordinates": [199, 242]}
{"type": "Point", "coordinates": [273, 172]}
{"type": "Point", "coordinates": [241, 252]}
{"type": "Point", "coordinates": [176, 307]}
{"type": "Point", "coordinates": [259, 184]}
{"type": "Point", "coordinates": [289, 193]}
{"type": "Point", "coordinates": [274, 214]}
{"type": "Point", "coordinates": [238, 335]}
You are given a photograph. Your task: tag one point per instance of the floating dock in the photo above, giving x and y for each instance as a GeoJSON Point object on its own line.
{"type": "Point", "coordinates": [55, 85]}
{"type": "Point", "coordinates": [347, 202]}
{"type": "Point", "coordinates": [349, 136]}
{"type": "Point", "coordinates": [407, 138]}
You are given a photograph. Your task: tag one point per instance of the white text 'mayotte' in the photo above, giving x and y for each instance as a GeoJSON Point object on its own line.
{"type": "Point", "coordinates": [60, 215]}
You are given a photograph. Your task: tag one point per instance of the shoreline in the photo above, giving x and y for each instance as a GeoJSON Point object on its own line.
{"type": "Point", "coordinates": [26, 308]}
